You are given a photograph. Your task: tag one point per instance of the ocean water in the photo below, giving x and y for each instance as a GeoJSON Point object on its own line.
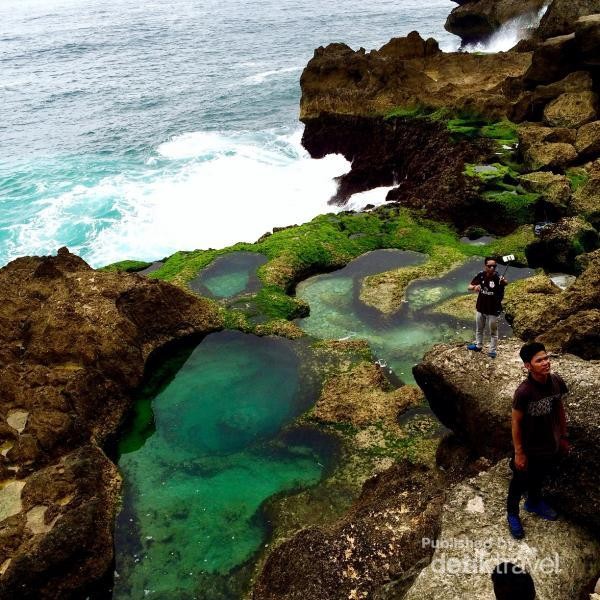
{"type": "Point", "coordinates": [131, 130]}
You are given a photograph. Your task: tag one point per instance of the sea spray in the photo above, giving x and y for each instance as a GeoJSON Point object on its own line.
{"type": "Point", "coordinates": [510, 33]}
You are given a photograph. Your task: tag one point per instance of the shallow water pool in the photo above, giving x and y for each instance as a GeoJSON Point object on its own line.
{"type": "Point", "coordinates": [205, 450]}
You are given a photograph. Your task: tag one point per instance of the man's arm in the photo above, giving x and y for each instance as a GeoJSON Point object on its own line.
{"type": "Point", "coordinates": [564, 445]}
{"type": "Point", "coordinates": [474, 285]}
{"type": "Point", "coordinates": [517, 436]}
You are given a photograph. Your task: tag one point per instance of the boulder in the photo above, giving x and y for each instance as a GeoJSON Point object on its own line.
{"type": "Point", "coordinates": [479, 19]}
{"type": "Point", "coordinates": [529, 106]}
{"type": "Point", "coordinates": [60, 538]}
{"type": "Point", "coordinates": [562, 15]}
{"type": "Point", "coordinates": [587, 38]}
{"type": "Point", "coordinates": [378, 540]}
{"type": "Point", "coordinates": [572, 109]}
{"type": "Point", "coordinates": [566, 320]}
{"type": "Point", "coordinates": [587, 142]}
{"type": "Point", "coordinates": [561, 557]}
{"type": "Point", "coordinates": [558, 244]}
{"type": "Point", "coordinates": [472, 395]}
{"type": "Point", "coordinates": [411, 46]}
{"type": "Point", "coordinates": [551, 156]}
{"type": "Point", "coordinates": [551, 60]}
{"type": "Point", "coordinates": [553, 189]}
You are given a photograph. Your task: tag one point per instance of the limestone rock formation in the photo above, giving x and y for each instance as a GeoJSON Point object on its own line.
{"type": "Point", "coordinates": [588, 139]}
{"type": "Point", "coordinates": [553, 189]}
{"type": "Point", "coordinates": [561, 557]}
{"type": "Point", "coordinates": [572, 110]}
{"type": "Point", "coordinates": [472, 395]}
{"type": "Point", "coordinates": [553, 156]}
{"type": "Point", "coordinates": [378, 540]}
{"type": "Point", "coordinates": [477, 20]}
{"type": "Point", "coordinates": [74, 343]}
{"type": "Point", "coordinates": [561, 16]}
{"type": "Point", "coordinates": [567, 321]}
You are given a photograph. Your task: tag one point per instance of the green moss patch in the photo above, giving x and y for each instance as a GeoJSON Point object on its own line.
{"type": "Point", "coordinates": [577, 177]}
{"type": "Point", "coordinates": [126, 266]}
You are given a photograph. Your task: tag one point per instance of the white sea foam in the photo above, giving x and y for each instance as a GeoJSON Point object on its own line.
{"type": "Point", "coordinates": [205, 190]}
{"type": "Point", "coordinates": [510, 33]}
{"type": "Point", "coordinates": [376, 197]}
{"type": "Point", "coordinates": [261, 77]}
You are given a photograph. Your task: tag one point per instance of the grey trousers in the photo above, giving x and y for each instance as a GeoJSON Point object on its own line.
{"type": "Point", "coordinates": [491, 321]}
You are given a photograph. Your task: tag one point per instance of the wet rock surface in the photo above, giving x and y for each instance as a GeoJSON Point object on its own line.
{"type": "Point", "coordinates": [74, 345]}
{"type": "Point", "coordinates": [472, 395]}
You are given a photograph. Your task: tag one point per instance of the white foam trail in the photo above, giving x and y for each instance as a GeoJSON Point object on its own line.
{"type": "Point", "coordinates": [510, 33]}
{"type": "Point", "coordinates": [261, 77]}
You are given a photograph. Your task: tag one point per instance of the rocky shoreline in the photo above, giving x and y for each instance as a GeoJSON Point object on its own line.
{"type": "Point", "coordinates": [474, 145]}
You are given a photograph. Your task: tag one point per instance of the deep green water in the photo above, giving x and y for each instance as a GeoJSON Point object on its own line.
{"type": "Point", "coordinates": [401, 339]}
{"type": "Point", "coordinates": [197, 472]}
{"type": "Point", "coordinates": [230, 275]}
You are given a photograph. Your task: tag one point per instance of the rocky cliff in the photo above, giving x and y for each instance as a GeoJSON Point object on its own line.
{"type": "Point", "coordinates": [74, 343]}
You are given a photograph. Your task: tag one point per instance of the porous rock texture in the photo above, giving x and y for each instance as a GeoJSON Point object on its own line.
{"type": "Point", "coordinates": [472, 395]}
{"type": "Point", "coordinates": [566, 321]}
{"type": "Point", "coordinates": [73, 346]}
{"type": "Point", "coordinates": [378, 540]}
{"type": "Point", "coordinates": [561, 556]}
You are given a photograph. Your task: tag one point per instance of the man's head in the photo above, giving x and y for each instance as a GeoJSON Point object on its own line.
{"type": "Point", "coordinates": [535, 359]}
{"type": "Point", "coordinates": [490, 265]}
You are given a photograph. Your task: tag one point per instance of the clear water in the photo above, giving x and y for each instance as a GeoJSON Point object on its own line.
{"type": "Point", "coordinates": [230, 275]}
{"type": "Point", "coordinates": [205, 450]}
{"type": "Point", "coordinates": [131, 130]}
{"type": "Point", "coordinates": [401, 339]}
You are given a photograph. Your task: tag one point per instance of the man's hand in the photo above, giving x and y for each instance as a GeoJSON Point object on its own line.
{"type": "Point", "coordinates": [564, 447]}
{"type": "Point", "coordinates": [520, 461]}
{"type": "Point", "coordinates": [475, 288]}
{"type": "Point", "coordinates": [503, 280]}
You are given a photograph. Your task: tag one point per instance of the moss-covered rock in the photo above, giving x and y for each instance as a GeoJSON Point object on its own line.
{"type": "Point", "coordinates": [126, 266]}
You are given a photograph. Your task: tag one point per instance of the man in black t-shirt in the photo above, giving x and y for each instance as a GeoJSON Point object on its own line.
{"type": "Point", "coordinates": [539, 432]}
{"type": "Point", "coordinates": [490, 288]}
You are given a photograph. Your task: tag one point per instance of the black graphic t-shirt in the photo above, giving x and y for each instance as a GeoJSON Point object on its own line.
{"type": "Point", "coordinates": [540, 403]}
{"type": "Point", "coordinates": [489, 299]}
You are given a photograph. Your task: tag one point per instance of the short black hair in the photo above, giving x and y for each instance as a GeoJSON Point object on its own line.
{"type": "Point", "coordinates": [512, 582]}
{"type": "Point", "coordinates": [529, 350]}
{"type": "Point", "coordinates": [485, 260]}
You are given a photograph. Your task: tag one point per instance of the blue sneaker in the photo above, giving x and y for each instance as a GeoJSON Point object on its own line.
{"type": "Point", "coordinates": [474, 347]}
{"type": "Point", "coordinates": [492, 354]}
{"type": "Point", "coordinates": [541, 509]}
{"type": "Point", "coordinates": [515, 527]}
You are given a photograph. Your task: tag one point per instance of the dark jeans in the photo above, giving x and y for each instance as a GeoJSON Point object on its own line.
{"type": "Point", "coordinates": [529, 481]}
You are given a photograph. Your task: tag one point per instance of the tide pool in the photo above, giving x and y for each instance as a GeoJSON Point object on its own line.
{"type": "Point", "coordinates": [399, 340]}
{"type": "Point", "coordinates": [205, 450]}
{"type": "Point", "coordinates": [230, 275]}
